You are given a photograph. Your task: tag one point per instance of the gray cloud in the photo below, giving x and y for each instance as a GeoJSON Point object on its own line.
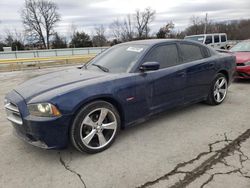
{"type": "Point", "coordinates": [87, 14]}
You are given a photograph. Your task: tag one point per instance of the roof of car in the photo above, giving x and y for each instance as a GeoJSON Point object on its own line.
{"type": "Point", "coordinates": [151, 41]}
{"type": "Point", "coordinates": [205, 34]}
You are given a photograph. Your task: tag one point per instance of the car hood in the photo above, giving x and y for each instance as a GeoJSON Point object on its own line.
{"type": "Point", "coordinates": [242, 57]}
{"type": "Point", "coordinates": [51, 81]}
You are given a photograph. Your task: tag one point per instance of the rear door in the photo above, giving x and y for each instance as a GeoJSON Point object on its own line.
{"type": "Point", "coordinates": [199, 69]}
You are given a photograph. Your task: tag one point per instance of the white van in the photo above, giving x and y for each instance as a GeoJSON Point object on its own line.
{"type": "Point", "coordinates": [214, 40]}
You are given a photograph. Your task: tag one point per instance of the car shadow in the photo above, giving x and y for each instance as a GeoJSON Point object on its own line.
{"type": "Point", "coordinates": [135, 130]}
{"type": "Point", "coordinates": [241, 81]}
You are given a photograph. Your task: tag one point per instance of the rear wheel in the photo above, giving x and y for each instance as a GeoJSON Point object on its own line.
{"type": "Point", "coordinates": [95, 127]}
{"type": "Point", "coordinates": [218, 90]}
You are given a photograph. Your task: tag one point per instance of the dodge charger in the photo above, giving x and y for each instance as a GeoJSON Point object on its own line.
{"type": "Point", "coordinates": [125, 85]}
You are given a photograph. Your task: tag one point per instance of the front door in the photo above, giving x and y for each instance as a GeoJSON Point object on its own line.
{"type": "Point", "coordinates": [164, 86]}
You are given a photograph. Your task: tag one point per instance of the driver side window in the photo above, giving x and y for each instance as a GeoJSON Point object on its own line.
{"type": "Point", "coordinates": [166, 55]}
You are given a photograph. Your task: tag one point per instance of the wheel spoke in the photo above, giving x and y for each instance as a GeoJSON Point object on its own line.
{"type": "Point", "coordinates": [102, 139]}
{"type": "Point", "coordinates": [111, 125]}
{"type": "Point", "coordinates": [215, 92]}
{"type": "Point", "coordinates": [89, 137]}
{"type": "Point", "coordinates": [222, 83]}
{"type": "Point", "coordinates": [222, 91]}
{"type": "Point", "coordinates": [217, 83]}
{"type": "Point", "coordinates": [88, 121]}
{"type": "Point", "coordinates": [218, 97]}
{"type": "Point", "coordinates": [102, 115]}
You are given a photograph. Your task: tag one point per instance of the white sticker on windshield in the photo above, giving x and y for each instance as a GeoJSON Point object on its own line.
{"type": "Point", "coordinates": [200, 38]}
{"type": "Point", "coordinates": [134, 49]}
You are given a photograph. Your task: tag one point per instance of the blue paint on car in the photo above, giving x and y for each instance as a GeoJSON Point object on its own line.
{"type": "Point", "coordinates": [136, 94]}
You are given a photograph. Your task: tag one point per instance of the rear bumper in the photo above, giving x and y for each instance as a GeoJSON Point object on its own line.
{"type": "Point", "coordinates": [43, 132]}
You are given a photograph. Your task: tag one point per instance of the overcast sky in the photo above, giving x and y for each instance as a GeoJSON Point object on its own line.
{"type": "Point", "coordinates": [87, 14]}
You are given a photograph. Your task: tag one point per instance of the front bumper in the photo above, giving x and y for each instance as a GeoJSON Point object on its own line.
{"type": "Point", "coordinates": [43, 132]}
{"type": "Point", "coordinates": [242, 72]}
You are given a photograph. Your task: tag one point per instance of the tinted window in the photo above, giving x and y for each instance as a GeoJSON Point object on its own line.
{"type": "Point", "coordinates": [166, 55]}
{"type": "Point", "coordinates": [216, 39]}
{"type": "Point", "coordinates": [119, 58]}
{"type": "Point", "coordinates": [191, 52]}
{"type": "Point", "coordinates": [209, 40]}
{"type": "Point", "coordinates": [205, 51]}
{"type": "Point", "coordinates": [223, 38]}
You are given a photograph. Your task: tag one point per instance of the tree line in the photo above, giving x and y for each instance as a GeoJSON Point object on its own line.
{"type": "Point", "coordinates": [40, 18]}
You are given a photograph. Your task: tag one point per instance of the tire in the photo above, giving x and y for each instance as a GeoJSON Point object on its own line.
{"type": "Point", "coordinates": [218, 90]}
{"type": "Point", "coordinates": [95, 127]}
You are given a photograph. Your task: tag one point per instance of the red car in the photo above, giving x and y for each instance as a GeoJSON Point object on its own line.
{"type": "Point", "coordinates": [242, 53]}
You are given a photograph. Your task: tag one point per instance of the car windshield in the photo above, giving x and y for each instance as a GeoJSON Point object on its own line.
{"type": "Point", "coordinates": [196, 38]}
{"type": "Point", "coordinates": [118, 59]}
{"type": "Point", "coordinates": [241, 47]}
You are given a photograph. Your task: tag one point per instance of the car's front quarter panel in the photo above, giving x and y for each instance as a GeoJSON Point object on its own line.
{"type": "Point", "coordinates": [124, 90]}
{"type": "Point", "coordinates": [45, 132]}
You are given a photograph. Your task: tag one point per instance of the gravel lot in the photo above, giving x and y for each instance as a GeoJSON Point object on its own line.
{"type": "Point", "coordinates": [196, 146]}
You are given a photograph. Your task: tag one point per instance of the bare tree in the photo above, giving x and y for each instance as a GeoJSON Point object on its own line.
{"type": "Point", "coordinates": [72, 29]}
{"type": "Point", "coordinates": [128, 28]}
{"type": "Point", "coordinates": [116, 29]}
{"type": "Point", "coordinates": [123, 30]}
{"type": "Point", "coordinates": [165, 31]}
{"type": "Point", "coordinates": [143, 19]}
{"type": "Point", "coordinates": [99, 38]}
{"type": "Point", "coordinates": [39, 18]}
{"type": "Point", "coordinates": [15, 35]}
{"type": "Point", "coordinates": [14, 39]}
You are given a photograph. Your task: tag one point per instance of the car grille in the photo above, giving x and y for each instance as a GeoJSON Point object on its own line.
{"type": "Point", "coordinates": [13, 113]}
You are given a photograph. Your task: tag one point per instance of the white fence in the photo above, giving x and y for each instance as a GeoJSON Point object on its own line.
{"type": "Point", "coordinates": [51, 52]}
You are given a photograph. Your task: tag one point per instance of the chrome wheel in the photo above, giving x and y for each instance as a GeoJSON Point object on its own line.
{"type": "Point", "coordinates": [220, 89]}
{"type": "Point", "coordinates": [98, 128]}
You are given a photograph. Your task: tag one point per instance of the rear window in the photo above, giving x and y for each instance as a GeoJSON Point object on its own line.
{"type": "Point", "coordinates": [216, 39]}
{"type": "Point", "coordinates": [223, 38]}
{"type": "Point", "coordinates": [191, 52]}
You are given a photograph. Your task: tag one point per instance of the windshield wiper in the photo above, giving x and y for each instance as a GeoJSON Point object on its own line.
{"type": "Point", "coordinates": [104, 69]}
{"type": "Point", "coordinates": [84, 65]}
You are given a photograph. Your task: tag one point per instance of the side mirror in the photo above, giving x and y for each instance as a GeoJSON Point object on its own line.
{"type": "Point", "coordinates": [149, 66]}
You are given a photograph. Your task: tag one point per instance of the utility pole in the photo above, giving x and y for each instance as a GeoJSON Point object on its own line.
{"type": "Point", "coordinates": [205, 27]}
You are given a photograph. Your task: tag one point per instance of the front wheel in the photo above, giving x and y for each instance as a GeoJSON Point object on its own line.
{"type": "Point", "coordinates": [95, 127]}
{"type": "Point", "coordinates": [218, 90]}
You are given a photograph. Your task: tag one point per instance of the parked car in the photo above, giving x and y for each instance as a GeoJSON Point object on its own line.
{"type": "Point", "coordinates": [214, 40]}
{"type": "Point", "coordinates": [124, 85]}
{"type": "Point", "coordinates": [242, 53]}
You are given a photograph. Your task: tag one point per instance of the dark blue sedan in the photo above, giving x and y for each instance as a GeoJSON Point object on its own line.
{"type": "Point", "coordinates": [124, 85]}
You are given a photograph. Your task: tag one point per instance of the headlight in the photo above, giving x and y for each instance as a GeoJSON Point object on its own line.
{"type": "Point", "coordinates": [43, 110]}
{"type": "Point", "coordinates": [247, 63]}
